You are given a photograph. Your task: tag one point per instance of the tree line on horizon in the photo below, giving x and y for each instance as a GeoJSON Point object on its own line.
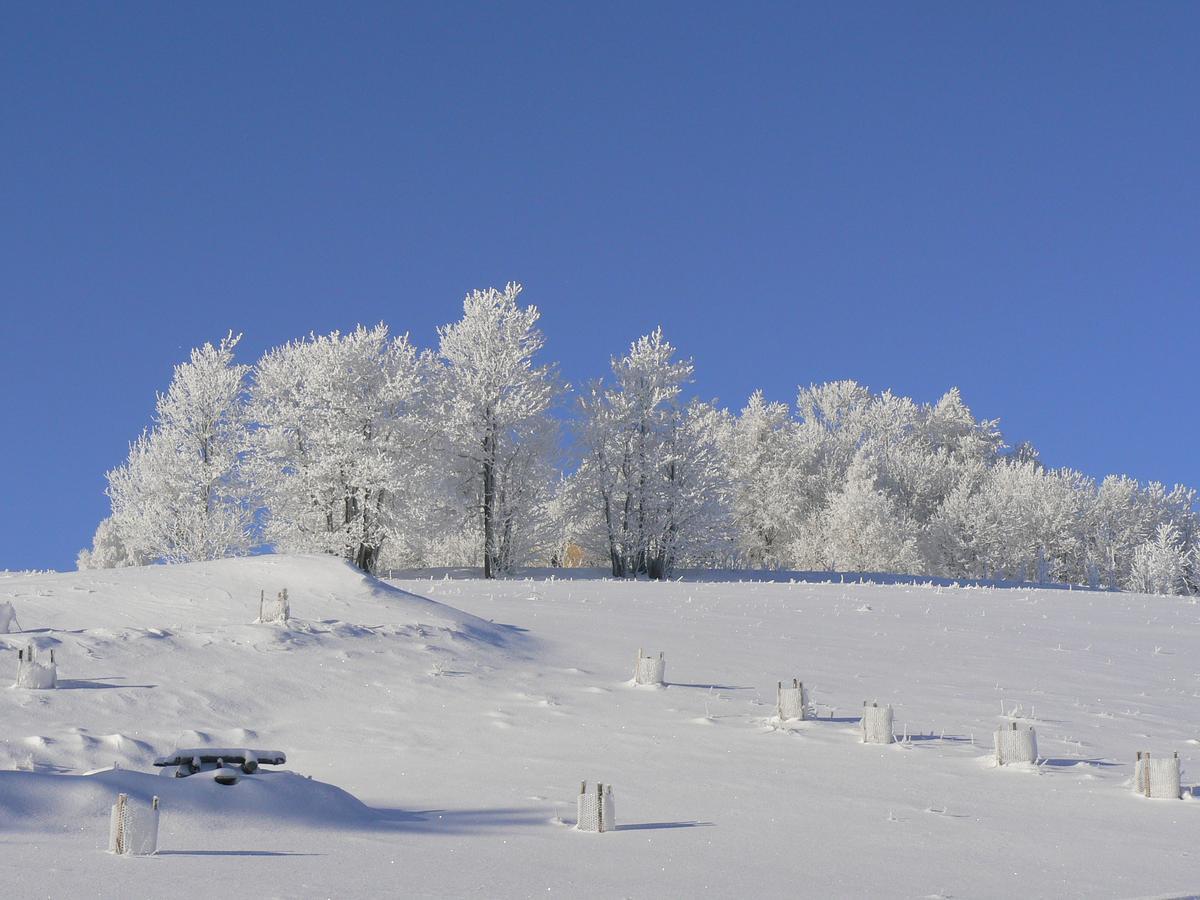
{"type": "Point", "coordinates": [364, 446]}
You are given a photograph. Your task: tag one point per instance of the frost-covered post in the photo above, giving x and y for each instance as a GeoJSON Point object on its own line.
{"type": "Point", "coordinates": [33, 675]}
{"type": "Point", "coordinates": [1157, 778]}
{"type": "Point", "coordinates": [1014, 745]}
{"type": "Point", "coordinates": [649, 669]}
{"type": "Point", "coordinates": [792, 702]}
{"type": "Point", "coordinates": [133, 832]}
{"type": "Point", "coordinates": [118, 825]}
{"type": "Point", "coordinates": [877, 724]}
{"type": "Point", "coordinates": [8, 618]}
{"type": "Point", "coordinates": [278, 612]}
{"type": "Point", "coordinates": [596, 811]}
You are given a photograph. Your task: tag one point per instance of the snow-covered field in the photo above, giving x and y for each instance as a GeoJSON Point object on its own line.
{"type": "Point", "coordinates": [446, 725]}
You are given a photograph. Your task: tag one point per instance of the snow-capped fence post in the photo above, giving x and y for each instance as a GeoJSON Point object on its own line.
{"type": "Point", "coordinates": [133, 832]}
{"type": "Point", "coordinates": [1015, 746]}
{"type": "Point", "coordinates": [118, 825]}
{"type": "Point", "coordinates": [1158, 777]}
{"type": "Point", "coordinates": [278, 612]}
{"type": "Point", "coordinates": [33, 675]}
{"type": "Point", "coordinates": [649, 669]}
{"type": "Point", "coordinates": [877, 724]}
{"type": "Point", "coordinates": [792, 702]}
{"type": "Point", "coordinates": [8, 618]}
{"type": "Point", "coordinates": [595, 811]}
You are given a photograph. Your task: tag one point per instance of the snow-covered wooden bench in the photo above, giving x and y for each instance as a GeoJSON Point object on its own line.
{"type": "Point", "coordinates": [210, 759]}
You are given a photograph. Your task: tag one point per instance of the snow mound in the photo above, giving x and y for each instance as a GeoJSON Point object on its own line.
{"type": "Point", "coordinates": [158, 657]}
{"type": "Point", "coordinates": [35, 801]}
{"type": "Point", "coordinates": [226, 592]}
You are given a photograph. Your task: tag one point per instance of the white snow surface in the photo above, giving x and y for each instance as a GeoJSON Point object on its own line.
{"type": "Point", "coordinates": [434, 752]}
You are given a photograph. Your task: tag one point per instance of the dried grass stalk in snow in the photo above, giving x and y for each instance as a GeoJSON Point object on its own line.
{"type": "Point", "coordinates": [274, 612]}
{"type": "Point", "coordinates": [1157, 777]}
{"type": "Point", "coordinates": [595, 808]}
{"type": "Point", "coordinates": [877, 724]}
{"type": "Point", "coordinates": [8, 618]}
{"type": "Point", "coordinates": [649, 669]}
{"type": "Point", "coordinates": [133, 831]}
{"type": "Point", "coordinates": [34, 675]}
{"type": "Point", "coordinates": [792, 702]}
{"type": "Point", "coordinates": [1015, 745]}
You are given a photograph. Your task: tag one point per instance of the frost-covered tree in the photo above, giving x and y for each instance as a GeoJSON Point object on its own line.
{"type": "Point", "coordinates": [1160, 566]}
{"type": "Point", "coordinates": [865, 530]}
{"type": "Point", "coordinates": [622, 429]}
{"type": "Point", "coordinates": [652, 474]}
{"type": "Point", "coordinates": [339, 452]}
{"type": "Point", "coordinates": [524, 480]}
{"type": "Point", "coordinates": [949, 425]}
{"type": "Point", "coordinates": [108, 550]}
{"type": "Point", "coordinates": [180, 496]}
{"type": "Point", "coordinates": [494, 422]}
{"type": "Point", "coordinates": [918, 456]}
{"type": "Point", "coordinates": [1019, 521]}
{"type": "Point", "coordinates": [1126, 515]}
{"type": "Point", "coordinates": [687, 518]}
{"type": "Point", "coordinates": [359, 445]}
{"type": "Point", "coordinates": [761, 458]}
{"type": "Point", "coordinates": [831, 430]}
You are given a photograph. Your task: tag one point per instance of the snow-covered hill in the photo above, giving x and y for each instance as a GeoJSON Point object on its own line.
{"type": "Point", "coordinates": [445, 749]}
{"type": "Point", "coordinates": [163, 655]}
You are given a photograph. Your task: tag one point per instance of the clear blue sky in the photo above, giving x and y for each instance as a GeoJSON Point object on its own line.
{"type": "Point", "coordinates": [1003, 197]}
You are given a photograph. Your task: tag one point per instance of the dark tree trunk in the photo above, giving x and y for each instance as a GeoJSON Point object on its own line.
{"type": "Point", "coordinates": [489, 500]}
{"type": "Point", "coordinates": [618, 569]}
{"type": "Point", "coordinates": [656, 567]}
{"type": "Point", "coordinates": [366, 558]}
{"type": "Point", "coordinates": [504, 557]}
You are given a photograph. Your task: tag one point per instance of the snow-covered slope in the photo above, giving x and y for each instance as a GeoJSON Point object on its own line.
{"type": "Point", "coordinates": [150, 658]}
{"type": "Point", "coordinates": [223, 592]}
{"type": "Point", "coordinates": [446, 750]}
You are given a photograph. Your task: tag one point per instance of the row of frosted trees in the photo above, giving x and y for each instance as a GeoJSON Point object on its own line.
{"type": "Point", "coordinates": [355, 444]}
{"type": "Point", "coordinates": [861, 482]}
{"type": "Point", "coordinates": [365, 446]}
